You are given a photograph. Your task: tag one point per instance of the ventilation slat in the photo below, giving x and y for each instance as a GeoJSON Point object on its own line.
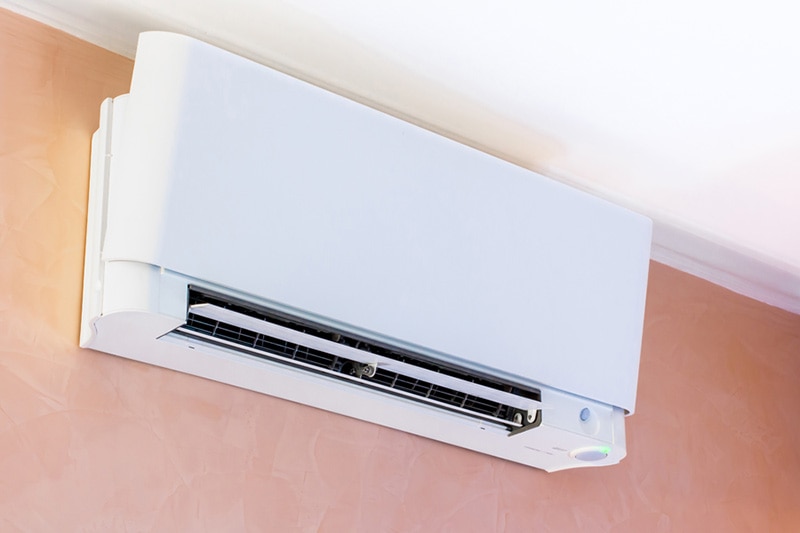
{"type": "Point", "coordinates": [265, 333]}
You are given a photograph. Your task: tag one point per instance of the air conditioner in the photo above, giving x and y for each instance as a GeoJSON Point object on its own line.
{"type": "Point", "coordinates": [250, 228]}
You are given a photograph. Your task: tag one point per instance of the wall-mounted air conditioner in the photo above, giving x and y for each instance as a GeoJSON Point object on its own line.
{"type": "Point", "coordinates": [253, 229]}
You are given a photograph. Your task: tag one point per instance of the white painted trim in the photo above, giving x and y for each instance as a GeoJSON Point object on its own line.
{"type": "Point", "coordinates": [82, 27]}
{"type": "Point", "coordinates": [726, 265]}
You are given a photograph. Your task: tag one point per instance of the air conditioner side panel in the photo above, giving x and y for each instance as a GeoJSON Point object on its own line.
{"type": "Point", "coordinates": [271, 187]}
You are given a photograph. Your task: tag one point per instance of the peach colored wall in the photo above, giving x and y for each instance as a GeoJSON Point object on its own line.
{"type": "Point", "coordinates": [92, 442]}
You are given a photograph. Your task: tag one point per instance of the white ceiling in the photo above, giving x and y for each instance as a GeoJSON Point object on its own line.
{"type": "Point", "coordinates": [687, 111]}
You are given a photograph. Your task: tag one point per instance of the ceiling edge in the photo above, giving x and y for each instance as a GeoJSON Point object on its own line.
{"type": "Point", "coordinates": [726, 266]}
{"type": "Point", "coordinates": [81, 27]}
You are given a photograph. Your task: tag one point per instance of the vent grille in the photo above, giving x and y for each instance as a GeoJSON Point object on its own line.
{"type": "Point", "coordinates": [424, 380]}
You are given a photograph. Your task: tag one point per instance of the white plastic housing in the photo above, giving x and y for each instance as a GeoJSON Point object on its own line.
{"type": "Point", "coordinates": [222, 173]}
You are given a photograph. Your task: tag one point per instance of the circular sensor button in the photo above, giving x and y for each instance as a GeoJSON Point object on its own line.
{"type": "Point", "coordinates": [595, 453]}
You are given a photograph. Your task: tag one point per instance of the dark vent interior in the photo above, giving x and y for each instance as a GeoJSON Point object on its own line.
{"type": "Point", "coordinates": [275, 349]}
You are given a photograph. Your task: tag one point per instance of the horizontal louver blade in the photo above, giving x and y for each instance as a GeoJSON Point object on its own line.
{"type": "Point", "coordinates": [269, 335]}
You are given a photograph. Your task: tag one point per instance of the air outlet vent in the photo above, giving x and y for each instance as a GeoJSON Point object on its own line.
{"type": "Point", "coordinates": [264, 333]}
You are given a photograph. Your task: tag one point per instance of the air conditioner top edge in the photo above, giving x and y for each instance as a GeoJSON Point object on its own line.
{"type": "Point", "coordinates": [232, 173]}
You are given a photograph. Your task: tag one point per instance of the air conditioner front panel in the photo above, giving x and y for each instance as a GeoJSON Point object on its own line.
{"type": "Point", "coordinates": [253, 229]}
{"type": "Point", "coordinates": [251, 180]}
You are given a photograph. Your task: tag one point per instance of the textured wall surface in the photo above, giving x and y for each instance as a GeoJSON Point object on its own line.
{"type": "Point", "coordinates": [92, 442]}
